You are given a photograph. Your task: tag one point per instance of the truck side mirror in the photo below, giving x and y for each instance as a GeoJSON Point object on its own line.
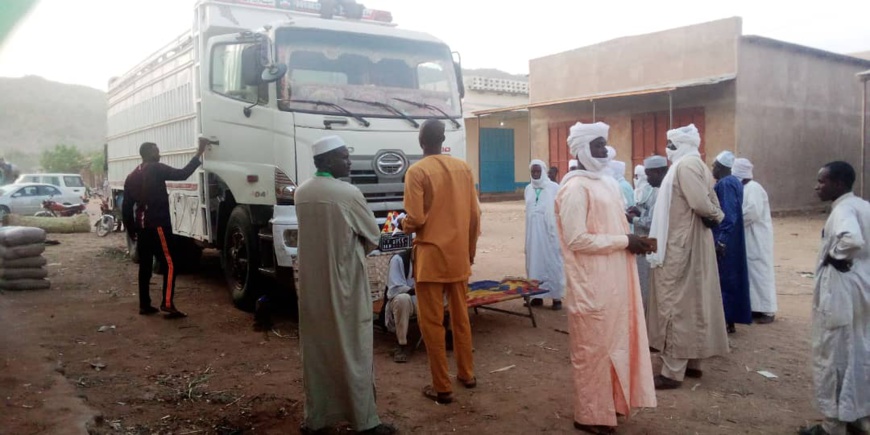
{"type": "Point", "coordinates": [273, 73]}
{"type": "Point", "coordinates": [457, 67]}
{"type": "Point", "coordinates": [459, 81]}
{"type": "Point", "coordinates": [251, 68]}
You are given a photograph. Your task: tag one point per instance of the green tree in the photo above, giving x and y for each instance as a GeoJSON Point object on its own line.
{"type": "Point", "coordinates": [63, 158]}
{"type": "Point", "coordinates": [98, 162]}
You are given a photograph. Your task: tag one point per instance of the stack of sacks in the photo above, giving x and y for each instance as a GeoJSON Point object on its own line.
{"type": "Point", "coordinates": [22, 266]}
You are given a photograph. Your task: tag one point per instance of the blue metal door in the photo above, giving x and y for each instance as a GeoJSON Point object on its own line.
{"type": "Point", "coordinates": [496, 160]}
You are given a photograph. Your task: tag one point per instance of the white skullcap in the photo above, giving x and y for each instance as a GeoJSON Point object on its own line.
{"type": "Point", "coordinates": [611, 152]}
{"type": "Point", "coordinates": [726, 159]}
{"type": "Point", "coordinates": [742, 169]}
{"type": "Point", "coordinates": [539, 163]}
{"type": "Point", "coordinates": [639, 170]}
{"type": "Point", "coordinates": [582, 134]}
{"type": "Point", "coordinates": [573, 163]}
{"type": "Point", "coordinates": [687, 135]}
{"type": "Point", "coordinates": [655, 162]}
{"type": "Point", "coordinates": [617, 169]}
{"type": "Point", "coordinates": [326, 144]}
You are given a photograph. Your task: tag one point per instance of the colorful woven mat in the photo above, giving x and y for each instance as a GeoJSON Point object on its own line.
{"type": "Point", "coordinates": [489, 292]}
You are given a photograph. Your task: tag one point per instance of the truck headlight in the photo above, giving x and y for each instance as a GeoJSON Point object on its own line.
{"type": "Point", "coordinates": [285, 188]}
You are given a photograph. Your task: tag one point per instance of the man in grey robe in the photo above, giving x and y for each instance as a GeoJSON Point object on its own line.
{"type": "Point", "coordinates": [685, 320]}
{"type": "Point", "coordinates": [336, 230]}
{"type": "Point", "coordinates": [841, 303]}
{"type": "Point", "coordinates": [655, 168]}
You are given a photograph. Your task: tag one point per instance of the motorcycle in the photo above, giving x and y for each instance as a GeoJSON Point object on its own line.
{"type": "Point", "coordinates": [107, 222]}
{"type": "Point", "coordinates": [54, 209]}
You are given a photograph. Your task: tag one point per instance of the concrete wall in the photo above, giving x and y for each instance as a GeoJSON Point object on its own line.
{"type": "Point", "coordinates": [717, 100]}
{"type": "Point", "coordinates": [475, 101]}
{"type": "Point", "coordinates": [675, 55]}
{"type": "Point", "coordinates": [796, 110]}
{"type": "Point", "coordinates": [520, 126]}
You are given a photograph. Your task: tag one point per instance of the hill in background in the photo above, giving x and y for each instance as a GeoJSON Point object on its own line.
{"type": "Point", "coordinates": [39, 114]}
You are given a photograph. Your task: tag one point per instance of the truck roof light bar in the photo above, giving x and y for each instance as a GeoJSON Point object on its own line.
{"type": "Point", "coordinates": [314, 7]}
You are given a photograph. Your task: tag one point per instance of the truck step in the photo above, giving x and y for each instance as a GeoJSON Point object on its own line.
{"type": "Point", "coordinates": [268, 271]}
{"type": "Point", "coordinates": [266, 237]}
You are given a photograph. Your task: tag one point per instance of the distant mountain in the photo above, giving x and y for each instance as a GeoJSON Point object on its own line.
{"type": "Point", "coordinates": [494, 74]}
{"type": "Point", "coordinates": [39, 114]}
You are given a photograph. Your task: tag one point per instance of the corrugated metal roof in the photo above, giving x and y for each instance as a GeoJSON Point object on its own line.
{"type": "Point", "coordinates": [653, 89]}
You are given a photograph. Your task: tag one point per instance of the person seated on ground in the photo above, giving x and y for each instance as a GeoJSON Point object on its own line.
{"type": "Point", "coordinates": [401, 304]}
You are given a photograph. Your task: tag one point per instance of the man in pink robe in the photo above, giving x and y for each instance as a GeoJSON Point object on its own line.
{"type": "Point", "coordinates": [609, 349]}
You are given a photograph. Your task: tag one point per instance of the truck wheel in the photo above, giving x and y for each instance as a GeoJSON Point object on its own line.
{"type": "Point", "coordinates": [240, 258]}
{"type": "Point", "coordinates": [131, 249]}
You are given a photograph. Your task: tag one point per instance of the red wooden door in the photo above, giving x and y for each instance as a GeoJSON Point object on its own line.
{"type": "Point", "coordinates": [559, 153]}
{"type": "Point", "coordinates": [649, 132]}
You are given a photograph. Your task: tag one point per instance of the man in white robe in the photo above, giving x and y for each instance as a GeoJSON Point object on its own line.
{"type": "Point", "coordinates": [759, 244]}
{"type": "Point", "coordinates": [336, 230]}
{"type": "Point", "coordinates": [841, 303]}
{"type": "Point", "coordinates": [617, 171]}
{"type": "Point", "coordinates": [543, 252]}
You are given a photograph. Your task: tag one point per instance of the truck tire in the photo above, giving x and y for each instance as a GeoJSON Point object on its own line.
{"type": "Point", "coordinates": [240, 258]}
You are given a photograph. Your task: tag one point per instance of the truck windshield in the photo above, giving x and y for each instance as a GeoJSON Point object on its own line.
{"type": "Point", "coordinates": [353, 70]}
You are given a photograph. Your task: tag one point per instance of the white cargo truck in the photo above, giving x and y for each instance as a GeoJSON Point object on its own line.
{"type": "Point", "coordinates": [265, 79]}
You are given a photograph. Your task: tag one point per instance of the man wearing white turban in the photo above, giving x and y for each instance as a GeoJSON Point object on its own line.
{"type": "Point", "coordinates": [543, 255]}
{"type": "Point", "coordinates": [640, 183]}
{"type": "Point", "coordinates": [731, 244]}
{"type": "Point", "coordinates": [609, 349]}
{"type": "Point", "coordinates": [685, 321]}
{"type": "Point", "coordinates": [336, 231]}
{"type": "Point", "coordinates": [759, 244]}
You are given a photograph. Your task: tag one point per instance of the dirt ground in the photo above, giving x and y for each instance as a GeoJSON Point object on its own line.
{"type": "Point", "coordinates": [210, 373]}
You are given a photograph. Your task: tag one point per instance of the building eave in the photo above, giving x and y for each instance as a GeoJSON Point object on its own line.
{"type": "Point", "coordinates": [633, 92]}
{"type": "Point", "coordinates": [808, 50]}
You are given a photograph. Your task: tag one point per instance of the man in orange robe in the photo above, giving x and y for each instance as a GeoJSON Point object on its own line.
{"type": "Point", "coordinates": [609, 350]}
{"type": "Point", "coordinates": [442, 209]}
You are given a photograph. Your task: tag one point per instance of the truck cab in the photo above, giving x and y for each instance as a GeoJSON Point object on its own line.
{"type": "Point", "coordinates": [266, 79]}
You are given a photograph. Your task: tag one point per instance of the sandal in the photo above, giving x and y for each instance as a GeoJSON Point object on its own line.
{"type": "Point", "coordinates": [663, 383]}
{"type": "Point", "coordinates": [441, 398]}
{"type": "Point", "coordinates": [694, 373]}
{"type": "Point", "coordinates": [469, 384]}
{"type": "Point", "coordinates": [381, 429]}
{"type": "Point", "coordinates": [598, 430]}
{"type": "Point", "coordinates": [814, 430]}
{"type": "Point", "coordinates": [401, 354]}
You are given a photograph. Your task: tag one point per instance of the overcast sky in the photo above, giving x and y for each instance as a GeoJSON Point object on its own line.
{"type": "Point", "coordinates": [87, 41]}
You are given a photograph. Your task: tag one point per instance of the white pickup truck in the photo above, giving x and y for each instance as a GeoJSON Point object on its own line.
{"type": "Point", "coordinates": [265, 79]}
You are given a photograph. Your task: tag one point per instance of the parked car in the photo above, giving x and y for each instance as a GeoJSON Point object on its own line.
{"type": "Point", "coordinates": [69, 183]}
{"type": "Point", "coordinates": [26, 199]}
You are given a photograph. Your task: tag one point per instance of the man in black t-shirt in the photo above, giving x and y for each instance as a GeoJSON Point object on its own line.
{"type": "Point", "coordinates": [146, 217]}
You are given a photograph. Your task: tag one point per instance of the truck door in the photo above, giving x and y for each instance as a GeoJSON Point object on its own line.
{"type": "Point", "coordinates": [236, 110]}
